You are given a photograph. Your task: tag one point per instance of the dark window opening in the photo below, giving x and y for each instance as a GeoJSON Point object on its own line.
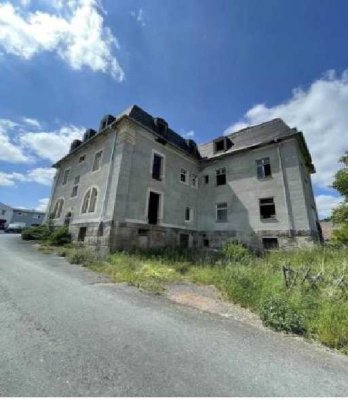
{"type": "Point", "coordinates": [206, 242]}
{"type": "Point", "coordinates": [206, 179]}
{"type": "Point", "coordinates": [82, 158]}
{"type": "Point", "coordinates": [100, 229]}
{"type": "Point", "coordinates": [263, 168]}
{"type": "Point", "coordinates": [187, 214]}
{"type": "Point", "coordinates": [221, 176]}
{"type": "Point", "coordinates": [184, 239]}
{"type": "Point", "coordinates": [82, 234]}
{"type": "Point", "coordinates": [157, 167]}
{"type": "Point", "coordinates": [143, 232]}
{"type": "Point", "coordinates": [270, 243]}
{"type": "Point", "coordinates": [267, 208]}
{"type": "Point", "coordinates": [153, 208]}
{"type": "Point", "coordinates": [220, 145]}
{"type": "Point", "coordinates": [67, 219]}
{"type": "Point", "coordinates": [183, 175]}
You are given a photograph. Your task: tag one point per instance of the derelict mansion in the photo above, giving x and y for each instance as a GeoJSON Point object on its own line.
{"type": "Point", "coordinates": [137, 183]}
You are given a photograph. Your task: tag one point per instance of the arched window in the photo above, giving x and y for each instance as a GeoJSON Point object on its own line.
{"type": "Point", "coordinates": [58, 208]}
{"type": "Point", "coordinates": [90, 201]}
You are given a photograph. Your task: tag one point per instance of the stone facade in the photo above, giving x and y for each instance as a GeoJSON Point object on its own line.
{"type": "Point", "coordinates": [136, 183]}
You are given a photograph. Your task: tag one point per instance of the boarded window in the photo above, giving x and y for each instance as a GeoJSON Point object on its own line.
{"type": "Point", "coordinates": [221, 176]}
{"type": "Point", "coordinates": [270, 243]}
{"type": "Point", "coordinates": [97, 161]}
{"type": "Point", "coordinates": [183, 175]}
{"type": "Point", "coordinates": [157, 167]}
{"type": "Point", "coordinates": [221, 212]}
{"type": "Point", "coordinates": [65, 176]}
{"type": "Point", "coordinates": [267, 208]}
{"type": "Point", "coordinates": [263, 168]}
{"type": "Point", "coordinates": [153, 208]}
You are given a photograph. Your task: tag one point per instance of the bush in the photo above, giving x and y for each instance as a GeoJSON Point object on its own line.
{"type": "Point", "coordinates": [235, 252]}
{"type": "Point", "coordinates": [36, 233]}
{"type": "Point", "coordinates": [60, 236]}
{"type": "Point", "coordinates": [80, 255]}
{"type": "Point", "coordinates": [280, 314]}
{"type": "Point", "coordinates": [340, 235]}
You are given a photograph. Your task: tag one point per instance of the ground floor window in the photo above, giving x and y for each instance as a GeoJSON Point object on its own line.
{"type": "Point", "coordinates": [153, 208]}
{"type": "Point", "coordinates": [270, 243]}
{"type": "Point", "coordinates": [82, 234]}
{"type": "Point", "coordinates": [184, 240]}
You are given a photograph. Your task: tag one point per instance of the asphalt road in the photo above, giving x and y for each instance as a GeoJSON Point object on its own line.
{"type": "Point", "coordinates": [64, 333]}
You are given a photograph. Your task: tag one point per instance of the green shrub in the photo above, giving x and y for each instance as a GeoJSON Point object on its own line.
{"type": "Point", "coordinates": [235, 252]}
{"type": "Point", "coordinates": [280, 314]}
{"type": "Point", "coordinates": [340, 235]}
{"type": "Point", "coordinates": [80, 255]}
{"type": "Point", "coordinates": [60, 236]}
{"type": "Point", "coordinates": [36, 233]}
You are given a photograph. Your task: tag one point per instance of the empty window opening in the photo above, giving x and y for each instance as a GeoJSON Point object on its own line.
{"type": "Point", "coordinates": [194, 180]}
{"type": "Point", "coordinates": [267, 208]}
{"type": "Point", "coordinates": [219, 145]}
{"type": "Point", "coordinates": [184, 240]}
{"type": "Point", "coordinates": [183, 175]}
{"type": "Point", "coordinates": [67, 219]}
{"type": "Point", "coordinates": [58, 208]}
{"type": "Point", "coordinates": [82, 234]}
{"type": "Point", "coordinates": [206, 242]}
{"type": "Point", "coordinates": [270, 243]}
{"type": "Point", "coordinates": [153, 208]}
{"type": "Point", "coordinates": [206, 179]}
{"type": "Point", "coordinates": [157, 167]}
{"type": "Point", "coordinates": [82, 159]}
{"type": "Point", "coordinates": [263, 168]}
{"type": "Point", "coordinates": [221, 212]}
{"type": "Point", "coordinates": [188, 214]}
{"type": "Point", "coordinates": [97, 161]}
{"type": "Point", "coordinates": [143, 232]}
{"type": "Point", "coordinates": [65, 176]}
{"type": "Point", "coordinates": [221, 176]}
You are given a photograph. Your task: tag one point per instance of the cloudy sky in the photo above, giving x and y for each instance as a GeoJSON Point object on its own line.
{"type": "Point", "coordinates": [206, 66]}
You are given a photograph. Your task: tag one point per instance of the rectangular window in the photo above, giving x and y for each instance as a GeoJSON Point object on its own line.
{"type": "Point", "coordinates": [153, 208]}
{"type": "Point", "coordinates": [194, 180]}
{"type": "Point", "coordinates": [221, 212]}
{"type": "Point", "coordinates": [76, 186]}
{"type": "Point", "coordinates": [183, 175]}
{"type": "Point", "coordinates": [219, 145]}
{"type": "Point", "coordinates": [184, 240]}
{"type": "Point", "coordinates": [206, 179]}
{"type": "Point", "coordinates": [97, 161]}
{"type": "Point", "coordinates": [82, 234]}
{"type": "Point", "coordinates": [157, 167]}
{"type": "Point", "coordinates": [221, 176]}
{"type": "Point", "coordinates": [65, 176]}
{"type": "Point", "coordinates": [267, 208]}
{"type": "Point", "coordinates": [270, 243]}
{"type": "Point", "coordinates": [188, 214]}
{"type": "Point", "coordinates": [82, 159]}
{"type": "Point", "coordinates": [263, 168]}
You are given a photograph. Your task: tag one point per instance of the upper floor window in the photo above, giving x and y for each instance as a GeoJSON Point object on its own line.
{"type": "Point", "coordinates": [267, 208]}
{"type": "Point", "coordinates": [194, 180]}
{"type": "Point", "coordinates": [221, 212]}
{"type": "Point", "coordinates": [188, 214]}
{"type": "Point", "coordinates": [76, 186]}
{"type": "Point", "coordinates": [90, 201]}
{"type": "Point", "coordinates": [82, 158]}
{"type": "Point", "coordinates": [97, 161]}
{"type": "Point", "coordinates": [58, 208]}
{"type": "Point", "coordinates": [221, 176]}
{"type": "Point", "coordinates": [183, 175]}
{"type": "Point", "coordinates": [222, 144]}
{"type": "Point", "coordinates": [157, 167]}
{"type": "Point", "coordinates": [65, 176]}
{"type": "Point", "coordinates": [263, 168]}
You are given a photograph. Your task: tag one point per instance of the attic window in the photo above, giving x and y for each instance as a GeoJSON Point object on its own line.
{"type": "Point", "coordinates": [161, 126]}
{"type": "Point", "coordinates": [222, 144]}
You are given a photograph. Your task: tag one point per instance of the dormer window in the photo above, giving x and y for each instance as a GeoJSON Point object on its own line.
{"type": "Point", "coordinates": [161, 126]}
{"type": "Point", "coordinates": [222, 144]}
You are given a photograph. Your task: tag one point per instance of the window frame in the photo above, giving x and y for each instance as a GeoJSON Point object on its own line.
{"type": "Point", "coordinates": [190, 213]}
{"type": "Point", "coordinates": [218, 207]}
{"type": "Point", "coordinates": [260, 166]}
{"type": "Point", "coordinates": [88, 202]}
{"type": "Point", "coordinates": [66, 174]}
{"type": "Point", "coordinates": [218, 173]}
{"type": "Point", "coordinates": [194, 180]}
{"type": "Point", "coordinates": [267, 204]}
{"type": "Point", "coordinates": [100, 160]}
{"type": "Point", "coordinates": [162, 169]}
{"type": "Point", "coordinates": [186, 174]}
{"type": "Point", "coordinates": [75, 186]}
{"type": "Point", "coordinates": [60, 200]}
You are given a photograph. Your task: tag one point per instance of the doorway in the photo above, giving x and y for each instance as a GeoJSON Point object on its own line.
{"type": "Point", "coordinates": [153, 208]}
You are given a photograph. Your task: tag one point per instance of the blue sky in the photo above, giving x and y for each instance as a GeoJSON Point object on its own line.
{"type": "Point", "coordinates": [207, 67]}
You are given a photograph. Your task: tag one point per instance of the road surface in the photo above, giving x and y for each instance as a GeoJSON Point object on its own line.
{"type": "Point", "coordinates": [65, 333]}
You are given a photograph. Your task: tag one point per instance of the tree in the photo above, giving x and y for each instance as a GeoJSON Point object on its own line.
{"type": "Point", "coordinates": [340, 213]}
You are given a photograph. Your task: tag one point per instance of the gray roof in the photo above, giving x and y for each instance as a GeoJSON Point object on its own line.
{"type": "Point", "coordinates": [250, 137]}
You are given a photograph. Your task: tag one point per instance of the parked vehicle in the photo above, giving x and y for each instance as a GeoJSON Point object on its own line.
{"type": "Point", "coordinates": [15, 227]}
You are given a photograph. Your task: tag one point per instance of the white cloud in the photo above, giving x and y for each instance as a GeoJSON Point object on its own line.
{"type": "Point", "coordinates": [51, 145]}
{"type": "Point", "coordinates": [321, 112]}
{"type": "Point", "coordinates": [34, 123]}
{"type": "Point", "coordinates": [76, 33]}
{"type": "Point", "coordinates": [139, 16]}
{"type": "Point", "coordinates": [42, 176]}
{"type": "Point", "coordinates": [43, 204]}
{"type": "Point", "coordinates": [188, 135]}
{"type": "Point", "coordinates": [325, 204]}
{"type": "Point", "coordinates": [10, 151]}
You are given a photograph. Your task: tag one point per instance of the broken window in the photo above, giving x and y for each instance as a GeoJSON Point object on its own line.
{"type": "Point", "coordinates": [153, 208]}
{"type": "Point", "coordinates": [270, 243]}
{"type": "Point", "coordinates": [97, 161]}
{"type": "Point", "coordinates": [75, 187]}
{"type": "Point", "coordinates": [183, 175]}
{"type": "Point", "coordinates": [267, 208]}
{"type": "Point", "coordinates": [263, 168]}
{"type": "Point", "coordinates": [221, 212]}
{"type": "Point", "coordinates": [188, 214]}
{"type": "Point", "coordinates": [58, 208]}
{"type": "Point", "coordinates": [65, 176]}
{"type": "Point", "coordinates": [221, 176]}
{"type": "Point", "coordinates": [194, 180]}
{"type": "Point", "coordinates": [157, 167]}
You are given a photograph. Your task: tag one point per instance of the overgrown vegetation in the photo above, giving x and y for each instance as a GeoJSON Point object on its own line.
{"type": "Point", "coordinates": [48, 234]}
